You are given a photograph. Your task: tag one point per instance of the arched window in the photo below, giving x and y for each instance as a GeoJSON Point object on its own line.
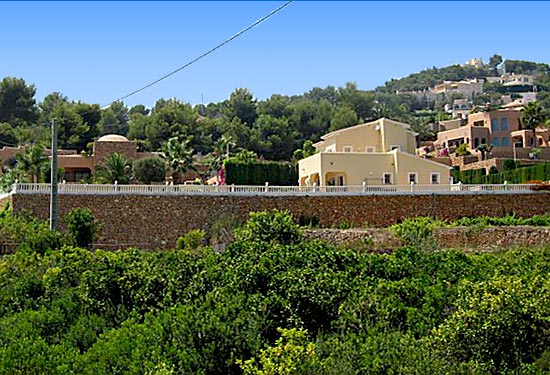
{"type": "Point", "coordinates": [483, 141]}
{"type": "Point", "coordinates": [540, 141]}
{"type": "Point", "coordinates": [476, 142]}
{"type": "Point", "coordinates": [504, 124]}
{"type": "Point", "coordinates": [494, 125]}
{"type": "Point", "coordinates": [496, 142]}
{"type": "Point", "coordinates": [505, 142]}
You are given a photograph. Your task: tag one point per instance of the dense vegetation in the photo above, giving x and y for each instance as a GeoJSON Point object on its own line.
{"type": "Point", "coordinates": [516, 175]}
{"type": "Point", "coordinates": [256, 173]}
{"type": "Point", "coordinates": [273, 303]}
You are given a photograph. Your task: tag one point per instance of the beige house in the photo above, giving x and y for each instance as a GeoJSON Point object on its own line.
{"type": "Point", "coordinates": [381, 152]}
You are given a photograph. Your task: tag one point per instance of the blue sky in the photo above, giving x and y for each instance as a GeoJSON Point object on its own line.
{"type": "Point", "coordinates": [97, 52]}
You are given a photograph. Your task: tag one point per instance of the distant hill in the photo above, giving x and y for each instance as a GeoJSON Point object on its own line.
{"type": "Point", "coordinates": [432, 76]}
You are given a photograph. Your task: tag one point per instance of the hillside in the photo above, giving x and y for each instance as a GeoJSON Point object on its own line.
{"type": "Point", "coordinates": [430, 77]}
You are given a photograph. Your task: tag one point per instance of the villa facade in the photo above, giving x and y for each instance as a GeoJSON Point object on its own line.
{"type": "Point", "coordinates": [381, 152]}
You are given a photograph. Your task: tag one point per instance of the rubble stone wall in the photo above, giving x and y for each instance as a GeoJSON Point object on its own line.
{"type": "Point", "coordinates": [157, 221]}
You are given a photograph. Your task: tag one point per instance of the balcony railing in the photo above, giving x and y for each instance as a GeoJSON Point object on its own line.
{"type": "Point", "coordinates": [241, 190]}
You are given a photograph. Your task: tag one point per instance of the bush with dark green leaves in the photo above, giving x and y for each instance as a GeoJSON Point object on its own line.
{"type": "Point", "coordinates": [258, 173]}
{"type": "Point", "coordinates": [275, 227]}
{"type": "Point", "coordinates": [150, 169]}
{"type": "Point", "coordinates": [82, 227]}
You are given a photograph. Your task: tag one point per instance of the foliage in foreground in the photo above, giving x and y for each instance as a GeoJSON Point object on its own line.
{"type": "Point", "coordinates": [274, 307]}
{"type": "Point", "coordinates": [419, 231]}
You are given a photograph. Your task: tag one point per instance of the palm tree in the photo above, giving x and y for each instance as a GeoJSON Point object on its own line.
{"type": "Point", "coordinates": [178, 156]}
{"type": "Point", "coordinates": [33, 163]}
{"type": "Point", "coordinates": [532, 117]}
{"type": "Point", "coordinates": [221, 151]}
{"type": "Point", "coordinates": [114, 167]}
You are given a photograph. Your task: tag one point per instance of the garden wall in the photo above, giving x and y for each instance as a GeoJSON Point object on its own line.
{"type": "Point", "coordinates": [157, 221]}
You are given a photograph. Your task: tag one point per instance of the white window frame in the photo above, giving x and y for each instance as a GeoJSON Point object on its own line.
{"type": "Point", "coordinates": [395, 147]}
{"type": "Point", "coordinates": [438, 178]}
{"type": "Point", "coordinates": [347, 148]}
{"type": "Point", "coordinates": [331, 148]}
{"type": "Point", "coordinates": [415, 174]}
{"type": "Point", "coordinates": [384, 178]}
{"type": "Point", "coordinates": [370, 149]}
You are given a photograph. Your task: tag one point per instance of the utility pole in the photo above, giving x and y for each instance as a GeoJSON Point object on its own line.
{"type": "Point", "coordinates": [53, 192]}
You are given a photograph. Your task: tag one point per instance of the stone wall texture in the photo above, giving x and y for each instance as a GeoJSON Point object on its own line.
{"type": "Point", "coordinates": [463, 238]}
{"type": "Point", "coordinates": [157, 221]}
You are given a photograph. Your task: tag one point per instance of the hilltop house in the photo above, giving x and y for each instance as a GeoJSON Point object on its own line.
{"type": "Point", "coordinates": [381, 152]}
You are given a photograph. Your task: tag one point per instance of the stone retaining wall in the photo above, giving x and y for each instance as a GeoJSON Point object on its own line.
{"type": "Point", "coordinates": [463, 238]}
{"type": "Point", "coordinates": [157, 221]}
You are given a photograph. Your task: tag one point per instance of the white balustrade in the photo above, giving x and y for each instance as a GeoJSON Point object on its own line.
{"type": "Point", "coordinates": [103, 189]}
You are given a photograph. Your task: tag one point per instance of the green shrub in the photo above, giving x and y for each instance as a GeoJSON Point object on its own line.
{"type": "Point", "coordinates": [274, 226]}
{"type": "Point", "coordinates": [462, 150]}
{"type": "Point", "coordinates": [293, 354]}
{"type": "Point", "coordinates": [192, 240]}
{"type": "Point", "coordinates": [150, 169]}
{"type": "Point", "coordinates": [82, 227]}
{"type": "Point", "coordinates": [417, 232]}
{"type": "Point", "coordinates": [31, 234]}
{"type": "Point", "coordinates": [518, 175]}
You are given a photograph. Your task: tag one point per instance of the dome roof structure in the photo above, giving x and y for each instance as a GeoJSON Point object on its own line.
{"type": "Point", "coordinates": [113, 138]}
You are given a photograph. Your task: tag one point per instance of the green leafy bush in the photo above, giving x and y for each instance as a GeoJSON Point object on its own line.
{"type": "Point", "coordinates": [417, 231]}
{"type": "Point", "coordinates": [462, 150]}
{"type": "Point", "coordinates": [150, 169]}
{"type": "Point", "coordinates": [192, 240]}
{"type": "Point", "coordinates": [292, 354]}
{"type": "Point", "coordinates": [82, 227]}
{"type": "Point", "coordinates": [272, 227]}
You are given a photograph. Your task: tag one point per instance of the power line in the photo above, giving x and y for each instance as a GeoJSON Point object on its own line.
{"type": "Point", "coordinates": [273, 12]}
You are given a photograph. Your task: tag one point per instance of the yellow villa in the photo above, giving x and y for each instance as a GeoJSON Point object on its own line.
{"type": "Point", "coordinates": [381, 152]}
